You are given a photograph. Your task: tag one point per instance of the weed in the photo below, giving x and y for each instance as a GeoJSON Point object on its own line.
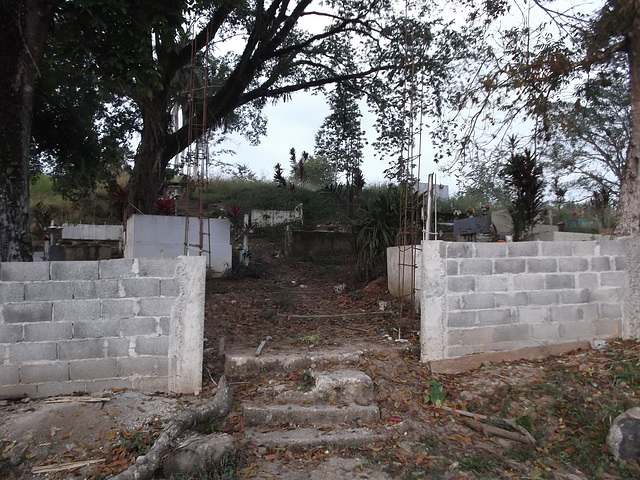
{"type": "Point", "coordinates": [357, 295]}
{"type": "Point", "coordinates": [137, 443]}
{"type": "Point", "coordinates": [283, 301]}
{"type": "Point", "coordinates": [270, 315]}
{"type": "Point", "coordinates": [476, 463]}
{"type": "Point", "coordinates": [521, 454]}
{"type": "Point", "coordinates": [313, 339]}
{"type": "Point", "coordinates": [305, 380]}
{"type": "Point", "coordinates": [210, 425]}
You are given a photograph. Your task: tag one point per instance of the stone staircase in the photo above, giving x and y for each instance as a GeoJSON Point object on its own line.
{"type": "Point", "coordinates": [309, 398]}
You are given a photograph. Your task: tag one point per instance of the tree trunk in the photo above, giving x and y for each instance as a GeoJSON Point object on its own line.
{"type": "Point", "coordinates": [628, 215]}
{"type": "Point", "coordinates": [149, 168]}
{"type": "Point", "coordinates": [24, 26]}
{"type": "Point", "coordinates": [147, 465]}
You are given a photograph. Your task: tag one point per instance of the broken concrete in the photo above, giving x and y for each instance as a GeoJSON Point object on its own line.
{"type": "Point", "coordinates": [312, 436]}
{"type": "Point", "coordinates": [319, 415]}
{"type": "Point", "coordinates": [245, 365]}
{"type": "Point", "coordinates": [337, 386]}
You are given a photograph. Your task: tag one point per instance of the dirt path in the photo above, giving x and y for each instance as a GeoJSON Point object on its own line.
{"type": "Point", "coordinates": [566, 402]}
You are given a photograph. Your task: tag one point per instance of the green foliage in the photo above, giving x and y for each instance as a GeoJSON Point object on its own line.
{"type": "Point", "coordinates": [523, 177]}
{"type": "Point", "coordinates": [340, 139]}
{"type": "Point", "coordinates": [434, 394]}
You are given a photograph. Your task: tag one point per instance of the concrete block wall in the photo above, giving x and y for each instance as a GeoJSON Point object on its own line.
{"type": "Point", "coordinates": [164, 236]}
{"type": "Point", "coordinates": [90, 326]}
{"type": "Point", "coordinates": [491, 297]}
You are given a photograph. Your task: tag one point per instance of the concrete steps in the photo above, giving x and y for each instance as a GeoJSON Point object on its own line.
{"type": "Point", "coordinates": [245, 365]}
{"type": "Point", "coordinates": [330, 403]}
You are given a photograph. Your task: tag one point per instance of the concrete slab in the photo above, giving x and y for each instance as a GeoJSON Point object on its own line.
{"type": "Point", "coordinates": [336, 386]}
{"type": "Point", "coordinates": [335, 468]}
{"type": "Point", "coordinates": [312, 436]}
{"type": "Point", "coordinates": [244, 365]}
{"type": "Point", "coordinates": [319, 415]}
{"type": "Point", "coordinates": [464, 364]}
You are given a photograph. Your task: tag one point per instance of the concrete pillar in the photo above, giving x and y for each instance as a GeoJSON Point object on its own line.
{"type": "Point", "coordinates": [433, 306]}
{"type": "Point", "coordinates": [187, 327]}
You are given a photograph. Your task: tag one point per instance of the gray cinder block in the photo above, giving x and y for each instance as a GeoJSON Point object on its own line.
{"type": "Point", "coordinates": [613, 247]}
{"type": "Point", "coordinates": [573, 264]}
{"type": "Point", "coordinates": [559, 281]}
{"type": "Point", "coordinates": [145, 366]}
{"type": "Point", "coordinates": [9, 374]}
{"type": "Point", "coordinates": [542, 297]}
{"type": "Point", "coordinates": [528, 281]}
{"type": "Point", "coordinates": [96, 328]}
{"type": "Point", "coordinates": [582, 295]}
{"type": "Point", "coordinates": [490, 250]}
{"type": "Point", "coordinates": [92, 369]}
{"type": "Point", "coordinates": [74, 270]}
{"type": "Point", "coordinates": [103, 288]}
{"type": "Point", "coordinates": [139, 326]}
{"type": "Point", "coordinates": [76, 310]}
{"type": "Point", "coordinates": [556, 249]}
{"type": "Point", "coordinates": [24, 271]}
{"type": "Point", "coordinates": [492, 283]}
{"type": "Point", "coordinates": [509, 265]}
{"type": "Point", "coordinates": [462, 319]}
{"type": "Point", "coordinates": [140, 287]}
{"type": "Point", "coordinates": [45, 372]}
{"type": "Point", "coordinates": [542, 265]}
{"type": "Point", "coordinates": [459, 250]}
{"type": "Point", "coordinates": [39, 291]}
{"type": "Point", "coordinates": [78, 349]}
{"type": "Point", "coordinates": [120, 347]}
{"type": "Point", "coordinates": [152, 345]}
{"type": "Point", "coordinates": [117, 309]}
{"type": "Point", "coordinates": [510, 299]}
{"type": "Point", "coordinates": [587, 280]}
{"type": "Point", "coordinates": [530, 315]}
{"type": "Point", "coordinates": [476, 266]}
{"type": "Point", "coordinates": [11, 334]}
{"type": "Point", "coordinates": [47, 331]}
{"type": "Point", "coordinates": [600, 264]}
{"type": "Point", "coordinates": [475, 301]}
{"type": "Point", "coordinates": [24, 352]}
{"type": "Point", "coordinates": [461, 284]}
{"type": "Point", "coordinates": [522, 249]}
{"type": "Point", "coordinates": [156, 307]}
{"type": "Point", "coordinates": [157, 267]}
{"type": "Point", "coordinates": [26, 312]}
{"type": "Point", "coordinates": [452, 267]}
{"type": "Point", "coordinates": [11, 292]}
{"type": "Point", "coordinates": [497, 316]}
{"type": "Point", "coordinates": [510, 333]}
{"type": "Point", "coordinates": [118, 268]}
{"type": "Point", "coordinates": [169, 287]}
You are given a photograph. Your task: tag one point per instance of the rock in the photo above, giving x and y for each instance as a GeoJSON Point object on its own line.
{"type": "Point", "coordinates": [624, 435]}
{"type": "Point", "coordinates": [198, 454]}
{"type": "Point", "coordinates": [18, 453]}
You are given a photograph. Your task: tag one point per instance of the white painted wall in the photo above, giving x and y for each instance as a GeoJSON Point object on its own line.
{"type": "Point", "coordinates": [270, 218]}
{"type": "Point", "coordinates": [81, 231]}
{"type": "Point", "coordinates": [164, 236]}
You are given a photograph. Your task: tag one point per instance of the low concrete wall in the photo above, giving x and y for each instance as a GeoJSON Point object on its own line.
{"type": "Point", "coordinates": [491, 297]}
{"type": "Point", "coordinates": [89, 326]}
{"type": "Point", "coordinates": [164, 236]}
{"type": "Point", "coordinates": [271, 218]}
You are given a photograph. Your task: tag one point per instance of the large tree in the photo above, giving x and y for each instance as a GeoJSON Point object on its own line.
{"type": "Point", "coordinates": [145, 47]}
{"type": "Point", "coordinates": [24, 26]}
{"type": "Point", "coordinates": [523, 70]}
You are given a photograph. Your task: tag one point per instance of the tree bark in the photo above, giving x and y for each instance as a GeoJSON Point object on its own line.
{"type": "Point", "coordinates": [149, 167]}
{"type": "Point", "coordinates": [146, 466]}
{"type": "Point", "coordinates": [628, 214]}
{"type": "Point", "coordinates": [24, 27]}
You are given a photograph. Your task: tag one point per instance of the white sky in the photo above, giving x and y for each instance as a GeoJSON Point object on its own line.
{"type": "Point", "coordinates": [295, 124]}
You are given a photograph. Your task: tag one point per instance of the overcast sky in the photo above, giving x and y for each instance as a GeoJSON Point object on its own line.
{"type": "Point", "coordinates": [294, 124]}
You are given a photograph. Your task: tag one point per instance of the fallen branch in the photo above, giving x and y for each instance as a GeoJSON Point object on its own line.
{"type": "Point", "coordinates": [508, 421]}
{"type": "Point", "coordinates": [146, 466]}
{"type": "Point", "coordinates": [491, 430]}
{"type": "Point", "coordinates": [78, 399]}
{"type": "Point", "coordinates": [65, 466]}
